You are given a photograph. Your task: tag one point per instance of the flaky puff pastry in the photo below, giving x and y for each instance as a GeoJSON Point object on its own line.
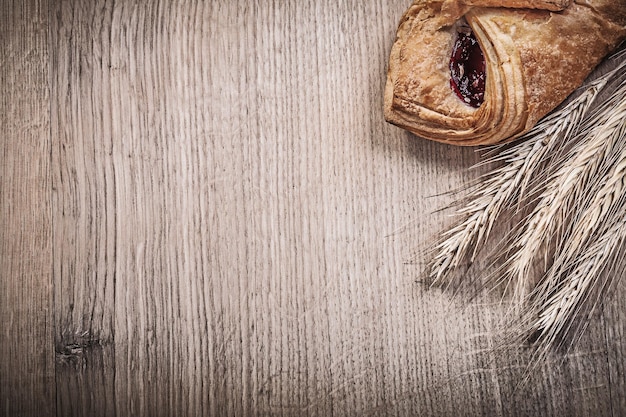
{"type": "Point", "coordinates": [536, 53]}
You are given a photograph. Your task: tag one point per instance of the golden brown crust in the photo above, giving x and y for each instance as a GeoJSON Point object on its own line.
{"type": "Point", "coordinates": [552, 5]}
{"type": "Point", "coordinates": [535, 58]}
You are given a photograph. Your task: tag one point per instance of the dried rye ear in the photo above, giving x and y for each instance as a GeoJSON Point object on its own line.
{"type": "Point", "coordinates": [570, 172]}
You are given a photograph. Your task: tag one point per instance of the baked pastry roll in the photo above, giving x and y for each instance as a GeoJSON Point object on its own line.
{"type": "Point", "coordinates": [474, 72]}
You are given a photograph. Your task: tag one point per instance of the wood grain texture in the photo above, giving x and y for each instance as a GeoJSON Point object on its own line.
{"type": "Point", "coordinates": [231, 227]}
{"type": "Point", "coordinates": [27, 357]}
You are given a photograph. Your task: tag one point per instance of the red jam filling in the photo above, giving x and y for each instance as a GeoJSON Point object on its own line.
{"type": "Point", "coordinates": [467, 70]}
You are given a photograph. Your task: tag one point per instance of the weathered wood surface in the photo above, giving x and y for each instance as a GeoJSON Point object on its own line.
{"type": "Point", "coordinates": [27, 385]}
{"type": "Point", "coordinates": [204, 213]}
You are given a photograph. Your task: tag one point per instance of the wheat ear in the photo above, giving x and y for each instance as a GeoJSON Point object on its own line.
{"type": "Point", "coordinates": [507, 184]}
{"type": "Point", "coordinates": [567, 186]}
{"type": "Point", "coordinates": [559, 308]}
{"type": "Point", "coordinates": [584, 253]}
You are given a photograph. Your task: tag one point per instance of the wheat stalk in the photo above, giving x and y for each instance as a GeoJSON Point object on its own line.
{"type": "Point", "coordinates": [558, 307]}
{"type": "Point", "coordinates": [567, 187]}
{"type": "Point", "coordinates": [508, 183]}
{"type": "Point", "coordinates": [572, 167]}
{"type": "Point", "coordinates": [583, 251]}
{"type": "Point", "coordinates": [481, 213]}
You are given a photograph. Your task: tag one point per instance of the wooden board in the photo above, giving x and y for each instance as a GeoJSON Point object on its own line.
{"type": "Point", "coordinates": [204, 213]}
{"type": "Point", "coordinates": [26, 301]}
